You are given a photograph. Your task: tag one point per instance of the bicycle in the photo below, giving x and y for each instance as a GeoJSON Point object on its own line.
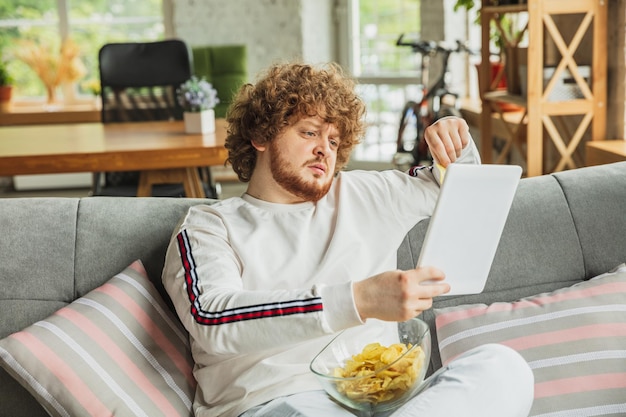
{"type": "Point", "coordinates": [435, 102]}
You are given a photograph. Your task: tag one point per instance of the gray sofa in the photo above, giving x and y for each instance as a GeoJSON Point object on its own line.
{"type": "Point", "coordinates": [562, 229]}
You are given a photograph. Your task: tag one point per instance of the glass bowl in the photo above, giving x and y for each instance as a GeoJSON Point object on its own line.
{"type": "Point", "coordinates": [389, 380]}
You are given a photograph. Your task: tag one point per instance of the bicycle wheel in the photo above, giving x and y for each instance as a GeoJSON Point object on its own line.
{"type": "Point", "coordinates": [407, 132]}
{"type": "Point", "coordinates": [411, 147]}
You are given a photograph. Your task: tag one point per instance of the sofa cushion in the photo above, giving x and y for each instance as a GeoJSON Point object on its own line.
{"type": "Point", "coordinates": [37, 269]}
{"type": "Point", "coordinates": [574, 339]}
{"type": "Point", "coordinates": [112, 232]}
{"type": "Point", "coordinates": [116, 351]}
{"type": "Point", "coordinates": [593, 193]}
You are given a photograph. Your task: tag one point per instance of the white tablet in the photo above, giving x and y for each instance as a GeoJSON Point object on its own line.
{"type": "Point", "coordinates": [467, 223]}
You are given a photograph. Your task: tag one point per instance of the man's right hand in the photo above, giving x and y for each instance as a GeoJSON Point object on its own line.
{"type": "Point", "coordinates": [398, 295]}
{"type": "Point", "coordinates": [446, 138]}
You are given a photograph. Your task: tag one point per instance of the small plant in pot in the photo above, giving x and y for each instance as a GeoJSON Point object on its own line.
{"type": "Point", "coordinates": [198, 98]}
{"type": "Point", "coordinates": [505, 35]}
{"type": "Point", "coordinates": [6, 87]}
{"type": "Point", "coordinates": [503, 30]}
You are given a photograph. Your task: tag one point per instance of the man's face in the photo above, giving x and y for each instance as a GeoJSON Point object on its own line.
{"type": "Point", "coordinates": [303, 158]}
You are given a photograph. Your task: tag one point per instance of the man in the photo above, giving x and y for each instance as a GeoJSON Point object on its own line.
{"type": "Point", "coordinates": [263, 282]}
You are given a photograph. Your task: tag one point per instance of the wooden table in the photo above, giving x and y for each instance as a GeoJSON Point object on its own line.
{"type": "Point", "coordinates": [600, 152]}
{"type": "Point", "coordinates": [162, 151]}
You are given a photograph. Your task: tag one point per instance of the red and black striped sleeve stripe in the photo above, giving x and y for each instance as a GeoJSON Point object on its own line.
{"type": "Point", "coordinates": [241, 313]}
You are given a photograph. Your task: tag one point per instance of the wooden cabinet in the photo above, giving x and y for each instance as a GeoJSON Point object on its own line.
{"type": "Point", "coordinates": [565, 101]}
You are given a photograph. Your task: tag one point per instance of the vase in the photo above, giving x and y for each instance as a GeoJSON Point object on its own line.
{"type": "Point", "coordinates": [200, 122]}
{"type": "Point", "coordinates": [51, 96]}
{"type": "Point", "coordinates": [496, 71]}
{"type": "Point", "coordinates": [6, 94]}
{"type": "Point", "coordinates": [515, 57]}
{"type": "Point", "coordinates": [69, 93]}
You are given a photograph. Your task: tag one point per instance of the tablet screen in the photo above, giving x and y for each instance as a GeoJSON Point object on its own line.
{"type": "Point", "coordinates": [467, 223]}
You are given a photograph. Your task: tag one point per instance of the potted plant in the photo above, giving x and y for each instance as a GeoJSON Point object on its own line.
{"type": "Point", "coordinates": [504, 30]}
{"type": "Point", "coordinates": [505, 35]}
{"type": "Point", "coordinates": [198, 98]}
{"type": "Point", "coordinates": [6, 87]}
{"type": "Point", "coordinates": [53, 66]}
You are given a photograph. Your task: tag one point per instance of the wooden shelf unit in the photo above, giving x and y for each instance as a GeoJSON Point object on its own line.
{"type": "Point", "coordinates": [542, 114]}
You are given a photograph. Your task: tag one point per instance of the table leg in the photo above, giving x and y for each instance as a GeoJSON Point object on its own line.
{"type": "Point", "coordinates": [144, 189]}
{"type": "Point", "coordinates": [189, 177]}
{"type": "Point", "coordinates": [193, 184]}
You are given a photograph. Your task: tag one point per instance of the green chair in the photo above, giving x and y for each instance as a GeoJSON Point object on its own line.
{"type": "Point", "coordinates": [225, 67]}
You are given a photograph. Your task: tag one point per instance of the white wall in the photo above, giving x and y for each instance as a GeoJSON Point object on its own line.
{"type": "Point", "coordinates": [318, 31]}
{"type": "Point", "coordinates": [272, 30]}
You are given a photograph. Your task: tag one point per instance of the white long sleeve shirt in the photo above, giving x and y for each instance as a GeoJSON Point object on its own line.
{"type": "Point", "coordinates": [263, 287]}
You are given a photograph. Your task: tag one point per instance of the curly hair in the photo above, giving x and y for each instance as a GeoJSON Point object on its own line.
{"type": "Point", "coordinates": [284, 95]}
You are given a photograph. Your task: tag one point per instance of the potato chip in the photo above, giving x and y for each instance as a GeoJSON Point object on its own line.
{"type": "Point", "coordinates": [390, 373]}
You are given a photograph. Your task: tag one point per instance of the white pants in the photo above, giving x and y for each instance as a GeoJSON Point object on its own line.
{"type": "Point", "coordinates": [488, 381]}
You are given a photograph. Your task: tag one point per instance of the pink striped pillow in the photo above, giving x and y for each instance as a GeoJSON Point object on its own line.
{"type": "Point", "coordinates": [118, 351]}
{"type": "Point", "coordinates": [574, 339]}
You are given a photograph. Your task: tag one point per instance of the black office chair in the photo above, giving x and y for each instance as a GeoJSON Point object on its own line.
{"type": "Point", "coordinates": [138, 83]}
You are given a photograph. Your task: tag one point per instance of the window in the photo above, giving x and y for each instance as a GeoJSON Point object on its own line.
{"type": "Point", "coordinates": [380, 24]}
{"type": "Point", "coordinates": [89, 24]}
{"type": "Point", "coordinates": [387, 73]}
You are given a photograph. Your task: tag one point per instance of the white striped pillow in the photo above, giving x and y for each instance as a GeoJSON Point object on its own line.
{"type": "Point", "coordinates": [117, 351]}
{"type": "Point", "coordinates": [574, 339]}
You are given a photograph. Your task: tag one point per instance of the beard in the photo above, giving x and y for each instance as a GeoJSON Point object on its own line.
{"type": "Point", "coordinates": [287, 177]}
